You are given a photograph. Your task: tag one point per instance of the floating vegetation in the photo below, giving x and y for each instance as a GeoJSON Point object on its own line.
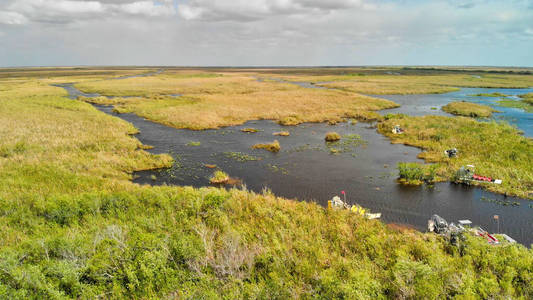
{"type": "Point", "coordinates": [275, 168]}
{"type": "Point", "coordinates": [250, 130]}
{"type": "Point", "coordinates": [194, 144]}
{"type": "Point", "coordinates": [305, 147]}
{"type": "Point", "coordinates": [332, 137]}
{"type": "Point", "coordinates": [434, 108]}
{"type": "Point", "coordinates": [282, 133]}
{"type": "Point", "coordinates": [501, 202]}
{"type": "Point", "coordinates": [239, 156]}
{"type": "Point", "coordinates": [219, 177]}
{"type": "Point", "coordinates": [272, 147]}
{"type": "Point", "coordinates": [348, 143]}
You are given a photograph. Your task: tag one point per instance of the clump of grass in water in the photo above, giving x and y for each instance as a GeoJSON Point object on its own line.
{"type": "Point", "coordinates": [332, 137]}
{"type": "Point", "coordinates": [194, 144]}
{"type": "Point", "coordinates": [219, 177]}
{"type": "Point", "coordinates": [272, 147]}
{"type": "Point", "coordinates": [282, 133]}
{"type": "Point", "coordinates": [468, 109]}
{"type": "Point", "coordinates": [250, 130]}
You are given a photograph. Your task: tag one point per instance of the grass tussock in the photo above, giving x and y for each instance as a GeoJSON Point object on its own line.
{"type": "Point", "coordinates": [272, 147]}
{"type": "Point", "coordinates": [496, 149]}
{"type": "Point", "coordinates": [282, 133]}
{"type": "Point", "coordinates": [332, 137]}
{"type": "Point", "coordinates": [468, 109]}
{"type": "Point", "coordinates": [74, 226]}
{"type": "Point", "coordinates": [250, 130]}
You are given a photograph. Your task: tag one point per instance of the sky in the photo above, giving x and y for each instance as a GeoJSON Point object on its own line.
{"type": "Point", "coordinates": [266, 32]}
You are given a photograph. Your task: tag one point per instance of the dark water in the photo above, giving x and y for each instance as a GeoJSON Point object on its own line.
{"type": "Point", "coordinates": [306, 170]}
{"type": "Point", "coordinates": [420, 105]}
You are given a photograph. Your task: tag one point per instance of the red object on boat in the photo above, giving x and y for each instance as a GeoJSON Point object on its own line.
{"type": "Point", "coordinates": [481, 178]}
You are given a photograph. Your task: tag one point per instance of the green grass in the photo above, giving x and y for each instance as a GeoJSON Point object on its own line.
{"type": "Point", "coordinates": [194, 144]}
{"type": "Point", "coordinates": [496, 149]}
{"type": "Point", "coordinates": [75, 227]}
{"type": "Point", "coordinates": [468, 109]}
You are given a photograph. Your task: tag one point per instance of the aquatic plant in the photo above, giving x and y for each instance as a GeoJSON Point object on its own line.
{"type": "Point", "coordinates": [332, 137]}
{"type": "Point", "coordinates": [347, 143]}
{"type": "Point", "coordinates": [272, 147]}
{"type": "Point", "coordinates": [194, 144]}
{"type": "Point", "coordinates": [468, 109]}
{"type": "Point", "coordinates": [239, 156]}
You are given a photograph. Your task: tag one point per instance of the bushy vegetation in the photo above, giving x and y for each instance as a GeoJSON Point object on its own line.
{"type": "Point", "coordinates": [75, 227]}
{"type": "Point", "coordinates": [496, 149]}
{"type": "Point", "coordinates": [468, 109]}
{"type": "Point", "coordinates": [272, 147]}
{"type": "Point", "coordinates": [416, 173]}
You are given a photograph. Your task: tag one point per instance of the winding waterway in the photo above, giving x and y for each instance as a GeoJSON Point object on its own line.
{"type": "Point", "coordinates": [305, 169]}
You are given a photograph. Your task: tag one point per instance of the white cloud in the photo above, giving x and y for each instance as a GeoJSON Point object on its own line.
{"type": "Point", "coordinates": [246, 10]}
{"type": "Point", "coordinates": [12, 18]}
{"type": "Point", "coordinates": [65, 11]}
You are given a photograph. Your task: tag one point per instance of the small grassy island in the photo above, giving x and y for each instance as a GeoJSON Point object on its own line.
{"type": "Point", "coordinates": [468, 109]}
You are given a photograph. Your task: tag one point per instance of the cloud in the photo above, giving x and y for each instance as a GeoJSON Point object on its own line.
{"type": "Point", "coordinates": [66, 11]}
{"type": "Point", "coordinates": [265, 32]}
{"type": "Point", "coordinates": [248, 10]}
{"type": "Point", "coordinates": [12, 18]}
